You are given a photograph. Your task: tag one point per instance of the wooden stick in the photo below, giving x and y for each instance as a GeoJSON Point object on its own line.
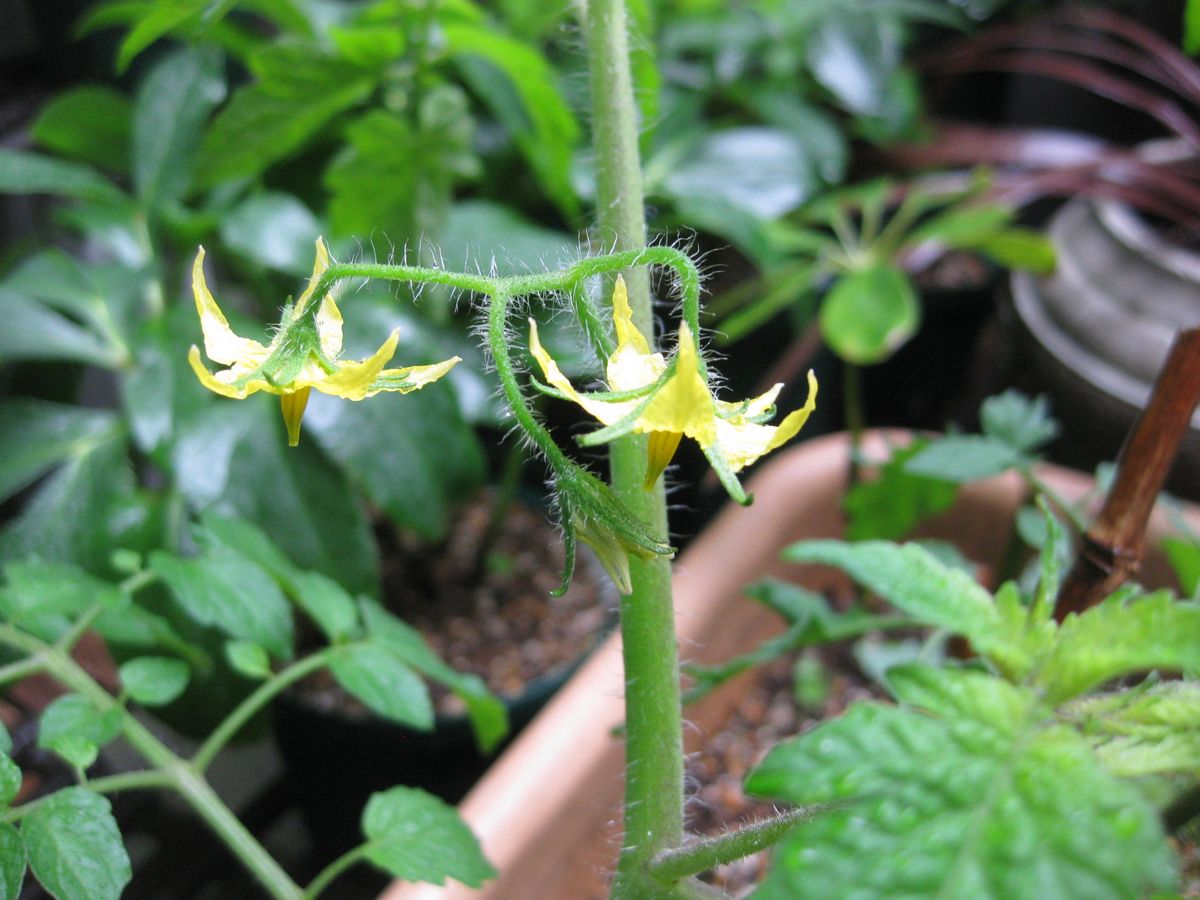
{"type": "Point", "coordinates": [1113, 545]}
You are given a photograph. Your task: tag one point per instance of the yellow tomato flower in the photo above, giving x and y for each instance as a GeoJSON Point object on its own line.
{"type": "Point", "coordinates": [302, 355]}
{"type": "Point", "coordinates": [670, 400]}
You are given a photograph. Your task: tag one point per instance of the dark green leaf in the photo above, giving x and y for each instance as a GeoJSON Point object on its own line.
{"type": "Point", "coordinates": [497, 238]}
{"type": "Point", "coordinates": [959, 807]}
{"type": "Point", "coordinates": [91, 124]}
{"type": "Point", "coordinates": [275, 230]}
{"type": "Point", "coordinates": [74, 728]}
{"type": "Point", "coordinates": [869, 313]}
{"type": "Point", "coordinates": [6, 744]}
{"type": "Point", "coordinates": [386, 685]}
{"type": "Point", "coordinates": [960, 458]}
{"type": "Point", "coordinates": [172, 107]}
{"type": "Point", "coordinates": [12, 862]}
{"type": "Point", "coordinates": [489, 718]}
{"type": "Point", "coordinates": [34, 331]}
{"type": "Point", "coordinates": [248, 540]}
{"type": "Point", "coordinates": [326, 603]}
{"type": "Point", "coordinates": [44, 597]}
{"type": "Point", "coordinates": [542, 124]}
{"type": "Point", "coordinates": [36, 434]}
{"type": "Point", "coordinates": [890, 506]}
{"type": "Point", "coordinates": [32, 173]}
{"type": "Point", "coordinates": [10, 781]}
{"type": "Point", "coordinates": [75, 847]}
{"type": "Point", "coordinates": [302, 88]}
{"type": "Point", "coordinates": [1021, 423]}
{"type": "Point", "coordinates": [154, 680]}
{"type": "Point", "coordinates": [1121, 637]}
{"type": "Point", "coordinates": [417, 837]}
{"type": "Point", "coordinates": [224, 589]}
{"type": "Point", "coordinates": [855, 57]}
{"type": "Point", "coordinates": [248, 658]}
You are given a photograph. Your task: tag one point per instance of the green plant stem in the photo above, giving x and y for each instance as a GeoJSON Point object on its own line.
{"type": "Point", "coordinates": [249, 707]}
{"type": "Point", "coordinates": [109, 784]}
{"type": "Point", "coordinates": [680, 862]}
{"type": "Point", "coordinates": [189, 783]}
{"type": "Point", "coordinates": [327, 875]}
{"type": "Point", "coordinates": [21, 668]}
{"type": "Point", "coordinates": [653, 718]}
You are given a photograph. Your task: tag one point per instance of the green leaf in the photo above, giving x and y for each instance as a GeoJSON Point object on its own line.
{"type": "Point", "coordinates": [153, 22]}
{"type": "Point", "coordinates": [275, 230]}
{"type": "Point", "coordinates": [1191, 27]}
{"type": "Point", "coordinates": [31, 173]}
{"type": "Point", "coordinates": [43, 597]}
{"type": "Point", "coordinates": [91, 124]}
{"type": "Point", "coordinates": [855, 57]}
{"type": "Point", "coordinates": [248, 658]}
{"type": "Point", "coordinates": [301, 89]}
{"type": "Point", "coordinates": [326, 603]}
{"type": "Point", "coordinates": [68, 518]}
{"type": "Point", "coordinates": [958, 807]}
{"type": "Point", "coordinates": [6, 744]}
{"type": "Point", "coordinates": [962, 693]}
{"type": "Point", "coordinates": [1019, 248]}
{"type": "Point", "coordinates": [154, 680]}
{"type": "Point", "coordinates": [497, 238]}
{"type": "Point", "coordinates": [540, 122]}
{"type": "Point", "coordinates": [961, 458]}
{"type": "Point", "coordinates": [386, 685]}
{"type": "Point", "coordinates": [75, 847]}
{"type": "Point", "coordinates": [1023, 424]}
{"type": "Point", "coordinates": [74, 728]}
{"type": "Point", "coordinates": [1147, 730]}
{"type": "Point", "coordinates": [963, 227]}
{"type": "Point", "coordinates": [869, 313]}
{"type": "Point", "coordinates": [224, 589]}
{"type": "Point", "coordinates": [415, 836]}
{"type": "Point", "coordinates": [36, 435]}
{"type": "Point", "coordinates": [172, 107]}
{"type": "Point", "coordinates": [890, 506]}
{"type": "Point", "coordinates": [1184, 556]}
{"type": "Point", "coordinates": [33, 331]}
{"type": "Point", "coordinates": [488, 715]}
{"type": "Point", "coordinates": [1120, 637]}
{"type": "Point", "coordinates": [10, 780]}
{"type": "Point", "coordinates": [12, 862]}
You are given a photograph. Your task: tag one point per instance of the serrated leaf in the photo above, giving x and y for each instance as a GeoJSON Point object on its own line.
{"type": "Point", "coordinates": [75, 847]}
{"type": "Point", "coordinates": [1021, 423]}
{"type": "Point", "coordinates": [386, 685]}
{"type": "Point", "coordinates": [172, 107]}
{"type": "Point", "coordinates": [1120, 637]}
{"type": "Point", "coordinates": [248, 658]}
{"type": "Point", "coordinates": [22, 172]}
{"type": "Point", "coordinates": [417, 837]}
{"type": "Point", "coordinates": [1146, 730]}
{"type": "Point", "coordinates": [961, 458]}
{"type": "Point", "coordinates": [488, 715]}
{"type": "Point", "coordinates": [228, 591]}
{"type": "Point", "coordinates": [957, 808]}
{"type": "Point", "coordinates": [13, 862]}
{"type": "Point", "coordinates": [91, 123]}
{"type": "Point", "coordinates": [869, 313]}
{"type": "Point", "coordinates": [74, 728]}
{"type": "Point", "coordinates": [154, 680]}
{"type": "Point", "coordinates": [962, 693]}
{"type": "Point", "coordinates": [10, 780]}
{"type": "Point", "coordinates": [890, 506]}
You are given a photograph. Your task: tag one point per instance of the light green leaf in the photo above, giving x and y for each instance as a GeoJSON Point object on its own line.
{"type": "Point", "coordinates": [1184, 556]}
{"type": "Point", "coordinates": [327, 603]}
{"type": "Point", "coordinates": [488, 715]}
{"type": "Point", "coordinates": [12, 862]}
{"type": "Point", "coordinates": [957, 808]}
{"type": "Point", "coordinates": [248, 658]}
{"type": "Point", "coordinates": [159, 19]}
{"type": "Point", "coordinates": [1021, 423]}
{"type": "Point", "coordinates": [963, 226]}
{"type": "Point", "coordinates": [75, 847]}
{"type": "Point", "coordinates": [1121, 637]}
{"type": "Point", "coordinates": [76, 729]}
{"type": "Point", "coordinates": [386, 685]}
{"type": "Point", "coordinates": [869, 313]}
{"type": "Point", "coordinates": [31, 173]}
{"type": "Point", "coordinates": [172, 107]}
{"type": "Point", "coordinates": [224, 589]}
{"type": "Point", "coordinates": [10, 780]}
{"type": "Point", "coordinates": [1191, 27]}
{"type": "Point", "coordinates": [961, 458]}
{"type": "Point", "coordinates": [854, 57]}
{"type": "Point", "coordinates": [417, 837]}
{"type": "Point", "coordinates": [541, 122]}
{"type": "Point", "coordinates": [44, 597]}
{"type": "Point", "coordinates": [890, 506]}
{"type": "Point", "coordinates": [275, 230]}
{"type": "Point", "coordinates": [36, 435]}
{"type": "Point", "coordinates": [1019, 248]}
{"type": "Point", "coordinates": [249, 540]}
{"type": "Point", "coordinates": [962, 693]}
{"type": "Point", "coordinates": [154, 680]}
{"type": "Point", "coordinates": [1150, 729]}
{"type": "Point", "coordinates": [91, 124]}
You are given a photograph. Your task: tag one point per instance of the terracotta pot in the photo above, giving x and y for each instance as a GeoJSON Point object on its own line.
{"type": "Point", "coordinates": [548, 811]}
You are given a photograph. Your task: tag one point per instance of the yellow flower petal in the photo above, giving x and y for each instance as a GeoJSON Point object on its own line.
{"type": "Point", "coordinates": [329, 328]}
{"type": "Point", "coordinates": [795, 420]}
{"type": "Point", "coordinates": [353, 380]}
{"type": "Point", "coordinates": [684, 404]}
{"type": "Point", "coordinates": [741, 442]}
{"type": "Point", "coordinates": [607, 411]}
{"type": "Point", "coordinates": [627, 332]}
{"type": "Point", "coordinates": [220, 343]}
{"type": "Point", "coordinates": [210, 381]}
{"type": "Point", "coordinates": [292, 403]}
{"type": "Point", "coordinates": [319, 267]}
{"type": "Point", "coordinates": [412, 378]}
{"type": "Point", "coordinates": [660, 450]}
